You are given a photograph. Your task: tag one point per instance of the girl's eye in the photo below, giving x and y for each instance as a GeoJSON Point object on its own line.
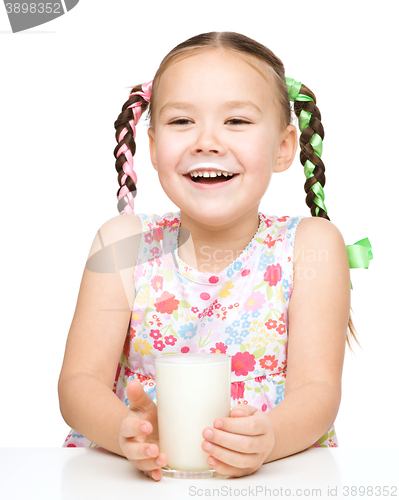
{"type": "Point", "coordinates": [237, 121]}
{"type": "Point", "coordinates": [180, 121]}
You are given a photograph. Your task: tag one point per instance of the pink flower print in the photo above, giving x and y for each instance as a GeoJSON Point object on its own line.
{"type": "Point", "coordinates": [254, 302]}
{"type": "Point", "coordinates": [273, 274]}
{"type": "Point", "coordinates": [270, 324]}
{"type": "Point", "coordinates": [219, 348]}
{"type": "Point", "coordinates": [158, 344]}
{"type": "Point", "coordinates": [282, 318]}
{"type": "Point", "coordinates": [268, 222]}
{"type": "Point", "coordinates": [139, 271]}
{"type": "Point", "coordinates": [242, 363]}
{"type": "Point", "coordinates": [283, 219]}
{"type": "Point", "coordinates": [259, 379]}
{"type": "Point", "coordinates": [148, 237]}
{"type": "Point", "coordinates": [237, 390]}
{"type": "Point", "coordinates": [157, 234]}
{"type": "Point", "coordinates": [194, 310]}
{"type": "Point", "coordinates": [157, 282]}
{"type": "Point", "coordinates": [261, 401]}
{"type": "Point", "coordinates": [281, 329]}
{"type": "Point", "coordinates": [184, 349]}
{"type": "Point", "coordinates": [137, 317]}
{"type": "Point", "coordinates": [172, 224]}
{"type": "Point", "coordinates": [166, 303]}
{"type": "Point", "coordinates": [155, 252]}
{"type": "Point", "coordinates": [269, 362]}
{"type": "Point", "coordinates": [269, 241]}
{"type": "Point", "coordinates": [121, 394]}
{"type": "Point", "coordinates": [128, 372]}
{"type": "Point", "coordinates": [170, 340]}
{"type": "Point", "coordinates": [142, 378]}
{"type": "Point", "coordinates": [155, 334]}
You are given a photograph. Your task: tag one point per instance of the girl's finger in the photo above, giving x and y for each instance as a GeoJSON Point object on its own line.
{"type": "Point", "coordinates": [245, 410]}
{"type": "Point", "coordinates": [133, 427]}
{"type": "Point", "coordinates": [235, 442]}
{"type": "Point", "coordinates": [139, 400]}
{"type": "Point", "coordinates": [227, 469]}
{"type": "Point", "coordinates": [234, 459]}
{"type": "Point", "coordinates": [146, 464]}
{"type": "Point", "coordinates": [254, 425]}
{"type": "Point", "coordinates": [141, 451]}
{"type": "Point", "coordinates": [154, 474]}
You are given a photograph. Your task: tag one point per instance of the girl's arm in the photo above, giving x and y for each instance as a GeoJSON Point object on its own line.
{"type": "Point", "coordinates": [94, 347]}
{"type": "Point", "coordinates": [318, 319]}
{"type": "Point", "coordinates": [95, 340]}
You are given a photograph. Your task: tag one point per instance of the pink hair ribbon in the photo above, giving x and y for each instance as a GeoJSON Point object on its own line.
{"type": "Point", "coordinates": [128, 166]}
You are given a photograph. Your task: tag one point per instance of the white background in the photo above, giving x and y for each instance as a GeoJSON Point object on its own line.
{"type": "Point", "coordinates": [62, 87]}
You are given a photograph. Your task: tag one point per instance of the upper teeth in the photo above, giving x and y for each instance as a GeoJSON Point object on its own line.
{"type": "Point", "coordinates": [209, 174]}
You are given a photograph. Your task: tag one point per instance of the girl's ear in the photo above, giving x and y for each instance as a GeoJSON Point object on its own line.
{"type": "Point", "coordinates": [288, 147]}
{"type": "Point", "coordinates": [151, 136]}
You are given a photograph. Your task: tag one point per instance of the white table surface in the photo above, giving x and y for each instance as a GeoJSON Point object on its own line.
{"type": "Point", "coordinates": [82, 473]}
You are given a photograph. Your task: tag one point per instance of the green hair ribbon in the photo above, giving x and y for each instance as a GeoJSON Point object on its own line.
{"type": "Point", "coordinates": [293, 88]}
{"type": "Point", "coordinates": [359, 254]}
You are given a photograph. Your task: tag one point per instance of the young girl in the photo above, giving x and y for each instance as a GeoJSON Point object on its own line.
{"type": "Point", "coordinates": [217, 275]}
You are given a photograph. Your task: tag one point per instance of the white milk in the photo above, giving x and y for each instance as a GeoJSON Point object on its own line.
{"type": "Point", "coordinates": [193, 390]}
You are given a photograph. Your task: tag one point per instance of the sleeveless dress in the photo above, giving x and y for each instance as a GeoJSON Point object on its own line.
{"type": "Point", "coordinates": [241, 311]}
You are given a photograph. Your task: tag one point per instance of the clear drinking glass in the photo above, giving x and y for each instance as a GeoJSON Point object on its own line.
{"type": "Point", "coordinates": [193, 390]}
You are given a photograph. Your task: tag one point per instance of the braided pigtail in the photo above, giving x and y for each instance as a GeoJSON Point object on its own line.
{"type": "Point", "coordinates": [125, 135]}
{"type": "Point", "coordinates": [312, 135]}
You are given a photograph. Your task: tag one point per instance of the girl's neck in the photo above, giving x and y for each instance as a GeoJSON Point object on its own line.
{"type": "Point", "coordinates": [211, 249]}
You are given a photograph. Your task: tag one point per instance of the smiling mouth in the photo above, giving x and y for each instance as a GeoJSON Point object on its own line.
{"type": "Point", "coordinates": [210, 180]}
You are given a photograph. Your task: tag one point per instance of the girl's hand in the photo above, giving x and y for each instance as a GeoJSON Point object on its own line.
{"type": "Point", "coordinates": [240, 443]}
{"type": "Point", "coordinates": [138, 433]}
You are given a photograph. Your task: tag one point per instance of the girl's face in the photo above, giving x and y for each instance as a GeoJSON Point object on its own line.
{"type": "Point", "coordinates": [214, 107]}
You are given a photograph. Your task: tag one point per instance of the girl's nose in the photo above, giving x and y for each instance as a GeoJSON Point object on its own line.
{"type": "Point", "coordinates": [208, 143]}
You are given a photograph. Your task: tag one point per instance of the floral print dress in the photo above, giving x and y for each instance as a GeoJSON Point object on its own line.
{"type": "Point", "coordinates": [241, 311]}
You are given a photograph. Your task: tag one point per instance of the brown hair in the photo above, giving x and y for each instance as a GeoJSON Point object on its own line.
{"type": "Point", "coordinates": [255, 54]}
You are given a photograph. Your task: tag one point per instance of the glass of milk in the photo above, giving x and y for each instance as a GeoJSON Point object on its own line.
{"type": "Point", "coordinates": [193, 390]}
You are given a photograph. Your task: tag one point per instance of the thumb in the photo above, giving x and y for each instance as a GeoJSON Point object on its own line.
{"type": "Point", "coordinates": [139, 400]}
{"type": "Point", "coordinates": [242, 411]}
